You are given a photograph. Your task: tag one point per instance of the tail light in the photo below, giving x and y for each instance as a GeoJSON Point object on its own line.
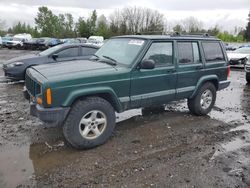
{"type": "Point", "coordinates": [228, 71]}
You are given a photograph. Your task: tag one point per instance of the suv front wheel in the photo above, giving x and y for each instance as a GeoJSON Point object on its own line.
{"type": "Point", "coordinates": [204, 100]}
{"type": "Point", "coordinates": [90, 123]}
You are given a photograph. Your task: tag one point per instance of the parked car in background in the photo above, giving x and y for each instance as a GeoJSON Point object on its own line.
{"type": "Point", "coordinates": [239, 57]}
{"type": "Point", "coordinates": [245, 45]}
{"type": "Point", "coordinates": [97, 40]}
{"type": "Point", "coordinates": [18, 40]}
{"type": "Point", "coordinates": [45, 43]}
{"type": "Point", "coordinates": [83, 40]}
{"type": "Point", "coordinates": [30, 44]}
{"type": "Point", "coordinates": [5, 40]}
{"type": "Point", "coordinates": [230, 47]}
{"type": "Point", "coordinates": [15, 68]}
{"type": "Point", "coordinates": [70, 41]}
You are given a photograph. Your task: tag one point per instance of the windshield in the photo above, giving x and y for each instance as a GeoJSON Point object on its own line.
{"type": "Point", "coordinates": [123, 50]}
{"type": "Point", "coordinates": [242, 50]}
{"type": "Point", "coordinates": [50, 51]}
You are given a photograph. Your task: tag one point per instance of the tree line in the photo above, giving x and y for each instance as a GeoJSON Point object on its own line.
{"type": "Point", "coordinates": [126, 21]}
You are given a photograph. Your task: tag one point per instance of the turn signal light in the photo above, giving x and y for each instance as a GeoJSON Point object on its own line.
{"type": "Point", "coordinates": [48, 96]}
{"type": "Point", "coordinates": [39, 100]}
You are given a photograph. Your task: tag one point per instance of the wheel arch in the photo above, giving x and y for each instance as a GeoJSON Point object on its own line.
{"type": "Point", "coordinates": [210, 78]}
{"type": "Point", "coordinates": [106, 93]}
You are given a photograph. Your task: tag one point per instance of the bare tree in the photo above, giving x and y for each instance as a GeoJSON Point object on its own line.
{"type": "Point", "coordinates": [192, 25]}
{"type": "Point", "coordinates": [133, 20]}
{"type": "Point", "coordinates": [2, 24]}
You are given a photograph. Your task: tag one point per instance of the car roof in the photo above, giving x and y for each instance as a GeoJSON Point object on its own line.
{"type": "Point", "coordinates": [79, 44]}
{"type": "Point", "coordinates": [172, 37]}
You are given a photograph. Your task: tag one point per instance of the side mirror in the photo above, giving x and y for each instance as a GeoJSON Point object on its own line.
{"type": "Point", "coordinates": [55, 56]}
{"type": "Point", "coordinates": [147, 64]}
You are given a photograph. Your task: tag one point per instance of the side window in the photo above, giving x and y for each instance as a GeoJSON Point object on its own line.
{"type": "Point", "coordinates": [88, 51]}
{"type": "Point", "coordinates": [188, 52]}
{"type": "Point", "coordinates": [213, 51]}
{"type": "Point", "coordinates": [161, 53]}
{"type": "Point", "coordinates": [69, 52]}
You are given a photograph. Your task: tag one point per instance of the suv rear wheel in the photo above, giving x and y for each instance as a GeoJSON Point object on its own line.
{"type": "Point", "coordinates": [204, 100]}
{"type": "Point", "coordinates": [90, 123]}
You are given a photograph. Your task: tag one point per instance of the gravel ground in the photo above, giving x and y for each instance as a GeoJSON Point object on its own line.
{"type": "Point", "coordinates": [157, 148]}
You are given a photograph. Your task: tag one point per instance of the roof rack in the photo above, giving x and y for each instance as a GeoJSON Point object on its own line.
{"type": "Point", "coordinates": [177, 34]}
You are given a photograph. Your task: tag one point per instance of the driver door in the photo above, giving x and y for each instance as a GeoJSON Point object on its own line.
{"type": "Point", "coordinates": [158, 85]}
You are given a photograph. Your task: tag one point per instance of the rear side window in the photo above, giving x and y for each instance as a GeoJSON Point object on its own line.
{"type": "Point", "coordinates": [188, 52]}
{"type": "Point", "coordinates": [213, 51]}
{"type": "Point", "coordinates": [161, 53]}
{"type": "Point", "coordinates": [88, 51]}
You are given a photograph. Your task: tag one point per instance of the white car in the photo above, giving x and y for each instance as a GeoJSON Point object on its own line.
{"type": "Point", "coordinates": [18, 40]}
{"type": "Point", "coordinates": [239, 57]}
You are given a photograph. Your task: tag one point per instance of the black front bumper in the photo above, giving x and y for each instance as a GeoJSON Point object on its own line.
{"type": "Point", "coordinates": [53, 116]}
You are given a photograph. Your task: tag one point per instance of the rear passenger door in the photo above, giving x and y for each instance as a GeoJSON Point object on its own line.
{"type": "Point", "coordinates": [190, 67]}
{"type": "Point", "coordinates": [216, 63]}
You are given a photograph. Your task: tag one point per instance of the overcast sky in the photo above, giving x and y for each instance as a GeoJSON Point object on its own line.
{"type": "Point", "coordinates": [225, 13]}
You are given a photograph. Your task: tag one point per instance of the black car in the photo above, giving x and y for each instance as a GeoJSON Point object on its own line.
{"type": "Point", "coordinates": [31, 44]}
{"type": "Point", "coordinates": [45, 43]}
{"type": "Point", "coordinates": [15, 68]}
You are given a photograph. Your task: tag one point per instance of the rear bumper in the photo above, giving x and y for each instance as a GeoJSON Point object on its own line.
{"type": "Point", "coordinates": [53, 116]}
{"type": "Point", "coordinates": [223, 84]}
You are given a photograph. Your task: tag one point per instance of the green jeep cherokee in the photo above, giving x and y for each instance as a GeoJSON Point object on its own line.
{"type": "Point", "coordinates": [127, 72]}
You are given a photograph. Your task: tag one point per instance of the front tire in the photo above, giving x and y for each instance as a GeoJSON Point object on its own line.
{"type": "Point", "coordinates": [204, 100]}
{"type": "Point", "coordinates": [90, 123]}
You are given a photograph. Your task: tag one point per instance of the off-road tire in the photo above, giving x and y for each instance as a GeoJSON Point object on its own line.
{"type": "Point", "coordinates": [194, 104]}
{"type": "Point", "coordinates": [80, 108]}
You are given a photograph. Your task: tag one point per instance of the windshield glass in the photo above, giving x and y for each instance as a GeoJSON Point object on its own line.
{"type": "Point", "coordinates": [123, 50]}
{"type": "Point", "coordinates": [243, 50]}
{"type": "Point", "coordinates": [50, 51]}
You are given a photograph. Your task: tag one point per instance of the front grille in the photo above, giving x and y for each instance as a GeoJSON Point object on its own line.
{"type": "Point", "coordinates": [33, 87]}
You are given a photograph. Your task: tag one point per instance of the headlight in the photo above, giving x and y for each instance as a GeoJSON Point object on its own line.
{"type": "Point", "coordinates": [15, 64]}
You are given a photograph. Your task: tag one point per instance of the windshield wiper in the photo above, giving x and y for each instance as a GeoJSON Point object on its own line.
{"type": "Point", "coordinates": [110, 58]}
{"type": "Point", "coordinates": [97, 57]}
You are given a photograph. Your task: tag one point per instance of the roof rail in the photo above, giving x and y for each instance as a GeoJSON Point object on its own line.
{"type": "Point", "coordinates": [177, 34]}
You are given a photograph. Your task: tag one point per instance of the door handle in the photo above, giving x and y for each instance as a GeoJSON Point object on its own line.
{"type": "Point", "coordinates": [199, 68]}
{"type": "Point", "coordinates": [171, 71]}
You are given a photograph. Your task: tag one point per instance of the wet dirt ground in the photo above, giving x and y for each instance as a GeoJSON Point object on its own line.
{"type": "Point", "coordinates": [158, 148]}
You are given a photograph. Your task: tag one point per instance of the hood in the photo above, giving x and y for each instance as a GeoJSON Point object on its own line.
{"type": "Point", "coordinates": [237, 56]}
{"type": "Point", "coordinates": [23, 59]}
{"type": "Point", "coordinates": [74, 69]}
